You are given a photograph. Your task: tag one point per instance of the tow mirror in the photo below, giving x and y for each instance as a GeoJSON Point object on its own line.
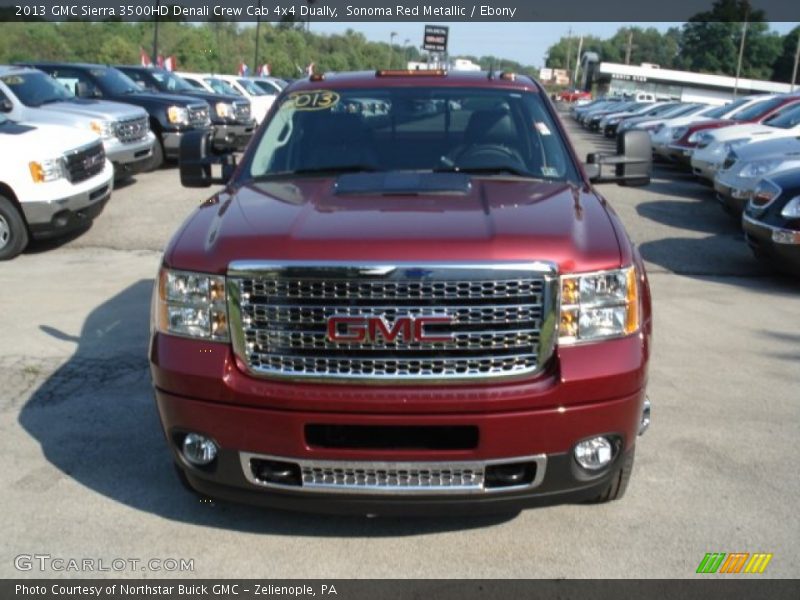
{"type": "Point", "coordinates": [197, 160]}
{"type": "Point", "coordinates": [5, 105]}
{"type": "Point", "coordinates": [633, 162]}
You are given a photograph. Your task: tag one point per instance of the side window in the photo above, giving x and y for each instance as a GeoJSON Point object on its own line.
{"type": "Point", "coordinates": [194, 83]}
{"type": "Point", "coordinates": [77, 82]}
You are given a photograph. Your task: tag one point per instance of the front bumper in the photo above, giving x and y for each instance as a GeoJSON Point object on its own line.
{"type": "Point", "coordinates": [172, 141]}
{"type": "Point", "coordinates": [133, 157]}
{"type": "Point", "coordinates": [680, 154]}
{"type": "Point", "coordinates": [74, 207]}
{"type": "Point", "coordinates": [733, 196]}
{"type": "Point", "coordinates": [761, 238]}
{"type": "Point", "coordinates": [703, 167]}
{"type": "Point", "coordinates": [598, 390]}
{"type": "Point", "coordinates": [233, 136]}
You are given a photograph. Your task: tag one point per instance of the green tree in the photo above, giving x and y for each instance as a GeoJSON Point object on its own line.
{"type": "Point", "coordinates": [784, 64]}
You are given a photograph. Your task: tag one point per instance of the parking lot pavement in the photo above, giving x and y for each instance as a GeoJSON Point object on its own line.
{"type": "Point", "coordinates": [89, 475]}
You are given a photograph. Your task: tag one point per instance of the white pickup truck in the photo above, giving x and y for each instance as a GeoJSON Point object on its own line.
{"type": "Point", "coordinates": [31, 96]}
{"type": "Point", "coordinates": [53, 180]}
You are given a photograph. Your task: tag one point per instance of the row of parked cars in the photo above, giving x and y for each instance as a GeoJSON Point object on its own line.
{"type": "Point", "coordinates": [69, 131]}
{"type": "Point", "coordinates": [748, 150]}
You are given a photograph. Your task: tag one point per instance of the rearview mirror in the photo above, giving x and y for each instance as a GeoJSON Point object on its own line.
{"type": "Point", "coordinates": [197, 157]}
{"type": "Point", "coordinates": [633, 162]}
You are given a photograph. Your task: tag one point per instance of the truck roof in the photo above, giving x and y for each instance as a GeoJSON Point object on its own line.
{"type": "Point", "coordinates": [417, 78]}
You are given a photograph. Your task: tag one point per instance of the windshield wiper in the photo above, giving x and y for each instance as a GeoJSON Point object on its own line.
{"type": "Point", "coordinates": [329, 170]}
{"type": "Point", "coordinates": [496, 170]}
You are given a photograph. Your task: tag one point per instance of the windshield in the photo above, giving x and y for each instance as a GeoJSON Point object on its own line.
{"type": "Point", "coordinates": [488, 131]}
{"type": "Point", "coordinates": [221, 87]}
{"type": "Point", "coordinates": [787, 118]}
{"type": "Point", "coordinates": [250, 87]}
{"type": "Point", "coordinates": [756, 110]}
{"type": "Point", "coordinates": [36, 88]}
{"type": "Point", "coordinates": [169, 82]}
{"type": "Point", "coordinates": [113, 82]}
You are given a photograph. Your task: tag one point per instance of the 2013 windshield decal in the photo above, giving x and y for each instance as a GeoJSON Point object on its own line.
{"type": "Point", "coordinates": [312, 100]}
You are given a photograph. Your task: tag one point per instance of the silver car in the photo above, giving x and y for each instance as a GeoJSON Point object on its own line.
{"type": "Point", "coordinates": [31, 96]}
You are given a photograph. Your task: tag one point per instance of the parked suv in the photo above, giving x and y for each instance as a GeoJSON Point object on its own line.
{"type": "Point", "coordinates": [31, 96]}
{"type": "Point", "coordinates": [423, 308]}
{"type": "Point", "coordinates": [53, 179]}
{"type": "Point", "coordinates": [171, 115]}
{"type": "Point", "coordinates": [230, 115]}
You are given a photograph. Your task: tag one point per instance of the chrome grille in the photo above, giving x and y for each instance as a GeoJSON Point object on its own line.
{"type": "Point", "coordinates": [85, 162]}
{"type": "Point", "coordinates": [132, 130]}
{"type": "Point", "coordinates": [241, 111]}
{"type": "Point", "coordinates": [198, 115]}
{"type": "Point", "coordinates": [393, 477]}
{"type": "Point", "coordinates": [501, 320]}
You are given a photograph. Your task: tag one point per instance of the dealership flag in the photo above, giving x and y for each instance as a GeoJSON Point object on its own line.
{"type": "Point", "coordinates": [160, 61]}
{"type": "Point", "coordinates": [265, 71]}
{"type": "Point", "coordinates": [310, 69]}
{"type": "Point", "coordinates": [144, 58]}
{"type": "Point", "coordinates": [243, 70]}
{"type": "Point", "coordinates": [171, 64]}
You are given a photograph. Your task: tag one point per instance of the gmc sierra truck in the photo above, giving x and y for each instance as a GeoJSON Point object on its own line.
{"type": "Point", "coordinates": [426, 308]}
{"type": "Point", "coordinates": [53, 180]}
{"type": "Point", "coordinates": [30, 96]}
{"type": "Point", "coordinates": [171, 115]}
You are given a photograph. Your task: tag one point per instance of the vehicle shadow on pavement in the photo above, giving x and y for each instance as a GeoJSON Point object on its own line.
{"type": "Point", "coordinates": [96, 421]}
{"type": "Point", "coordinates": [39, 246]}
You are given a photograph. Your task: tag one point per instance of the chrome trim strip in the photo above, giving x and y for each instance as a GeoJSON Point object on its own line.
{"type": "Point", "coordinates": [478, 467]}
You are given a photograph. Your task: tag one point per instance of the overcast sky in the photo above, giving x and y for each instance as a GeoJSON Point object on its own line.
{"type": "Point", "coordinates": [526, 43]}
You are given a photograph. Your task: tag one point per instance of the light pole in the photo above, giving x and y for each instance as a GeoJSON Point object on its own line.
{"type": "Point", "coordinates": [155, 34]}
{"type": "Point", "coordinates": [741, 53]}
{"type": "Point", "coordinates": [258, 32]}
{"type": "Point", "coordinates": [796, 60]}
{"type": "Point", "coordinates": [391, 47]}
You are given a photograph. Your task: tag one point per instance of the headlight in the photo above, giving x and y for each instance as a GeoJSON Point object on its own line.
{"type": "Point", "coordinates": [105, 129]}
{"type": "Point", "coordinates": [733, 144]}
{"type": "Point", "coordinates": [178, 115]}
{"type": "Point", "coordinates": [679, 132]}
{"type": "Point", "coordinates": [224, 110]}
{"type": "Point", "coordinates": [764, 193]}
{"type": "Point", "coordinates": [701, 138]}
{"type": "Point", "coordinates": [191, 305]}
{"type": "Point", "coordinates": [49, 169]}
{"type": "Point", "coordinates": [599, 305]}
{"type": "Point", "coordinates": [792, 209]}
{"type": "Point", "coordinates": [758, 168]}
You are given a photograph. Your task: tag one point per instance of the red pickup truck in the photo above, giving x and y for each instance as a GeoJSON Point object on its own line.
{"type": "Point", "coordinates": [407, 298]}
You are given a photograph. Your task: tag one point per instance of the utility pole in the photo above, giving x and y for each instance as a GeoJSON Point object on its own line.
{"type": "Point", "coordinates": [629, 47]}
{"type": "Point", "coordinates": [391, 47]}
{"type": "Point", "coordinates": [155, 34]}
{"type": "Point", "coordinates": [741, 52]}
{"type": "Point", "coordinates": [569, 48]}
{"type": "Point", "coordinates": [796, 60]}
{"type": "Point", "coordinates": [258, 36]}
{"type": "Point", "coordinates": [578, 63]}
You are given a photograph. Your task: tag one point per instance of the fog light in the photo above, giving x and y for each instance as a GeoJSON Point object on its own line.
{"type": "Point", "coordinates": [198, 449]}
{"type": "Point", "coordinates": [594, 454]}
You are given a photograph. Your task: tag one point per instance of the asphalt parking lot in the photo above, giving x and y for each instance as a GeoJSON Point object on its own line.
{"type": "Point", "coordinates": [88, 474]}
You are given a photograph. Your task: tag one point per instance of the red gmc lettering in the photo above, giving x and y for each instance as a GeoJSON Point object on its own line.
{"type": "Point", "coordinates": [363, 329]}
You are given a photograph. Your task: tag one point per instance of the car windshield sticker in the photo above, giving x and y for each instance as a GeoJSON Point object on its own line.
{"type": "Point", "coordinates": [549, 171]}
{"type": "Point", "coordinates": [542, 128]}
{"type": "Point", "coordinates": [312, 100]}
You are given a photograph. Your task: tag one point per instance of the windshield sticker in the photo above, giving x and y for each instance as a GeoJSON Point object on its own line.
{"type": "Point", "coordinates": [549, 171]}
{"type": "Point", "coordinates": [11, 80]}
{"type": "Point", "coordinates": [542, 128]}
{"type": "Point", "coordinates": [312, 100]}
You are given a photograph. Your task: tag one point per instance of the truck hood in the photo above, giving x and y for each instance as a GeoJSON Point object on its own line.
{"type": "Point", "coordinates": [31, 141]}
{"type": "Point", "coordinates": [159, 98]}
{"type": "Point", "coordinates": [97, 109]}
{"type": "Point", "coordinates": [305, 219]}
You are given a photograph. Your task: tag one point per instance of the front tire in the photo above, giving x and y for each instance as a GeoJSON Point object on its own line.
{"type": "Point", "coordinates": [158, 155]}
{"type": "Point", "coordinates": [13, 231]}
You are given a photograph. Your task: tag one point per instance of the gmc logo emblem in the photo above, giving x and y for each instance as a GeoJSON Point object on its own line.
{"type": "Point", "coordinates": [358, 330]}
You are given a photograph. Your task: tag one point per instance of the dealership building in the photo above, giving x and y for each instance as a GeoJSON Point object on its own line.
{"type": "Point", "coordinates": [616, 79]}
